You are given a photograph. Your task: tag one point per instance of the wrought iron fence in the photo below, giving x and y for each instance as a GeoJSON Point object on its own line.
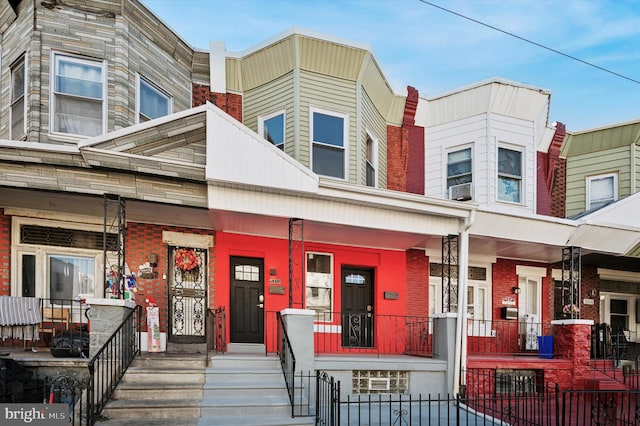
{"type": "Point", "coordinates": [546, 406]}
{"type": "Point", "coordinates": [506, 336]}
{"type": "Point", "coordinates": [23, 326]}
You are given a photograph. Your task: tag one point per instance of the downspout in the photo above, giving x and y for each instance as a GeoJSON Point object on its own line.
{"type": "Point", "coordinates": [460, 356]}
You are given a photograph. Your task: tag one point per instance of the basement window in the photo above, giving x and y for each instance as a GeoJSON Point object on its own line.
{"type": "Point", "coordinates": [519, 382]}
{"type": "Point", "coordinates": [380, 382]}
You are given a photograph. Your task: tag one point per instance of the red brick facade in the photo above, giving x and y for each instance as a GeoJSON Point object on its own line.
{"type": "Point", "coordinates": [144, 239]}
{"type": "Point", "coordinates": [230, 103]}
{"type": "Point", "coordinates": [5, 254]}
{"type": "Point", "coordinates": [559, 190]}
{"type": "Point", "coordinates": [547, 174]}
{"type": "Point", "coordinates": [505, 278]}
{"type": "Point", "coordinates": [397, 151]}
{"type": "Point", "coordinates": [417, 283]}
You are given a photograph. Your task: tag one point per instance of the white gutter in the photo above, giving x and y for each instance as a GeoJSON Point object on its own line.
{"type": "Point", "coordinates": [460, 356]}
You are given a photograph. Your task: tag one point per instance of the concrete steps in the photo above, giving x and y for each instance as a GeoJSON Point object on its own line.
{"type": "Point", "coordinates": [247, 389]}
{"type": "Point", "coordinates": [158, 389]}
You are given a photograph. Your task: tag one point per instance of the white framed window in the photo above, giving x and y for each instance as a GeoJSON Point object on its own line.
{"type": "Point", "coordinates": [18, 104]}
{"type": "Point", "coordinates": [56, 260]}
{"type": "Point", "coordinates": [371, 161]}
{"type": "Point", "coordinates": [78, 99]}
{"type": "Point", "coordinates": [510, 175]}
{"type": "Point", "coordinates": [152, 102]}
{"type": "Point", "coordinates": [272, 128]}
{"type": "Point", "coordinates": [459, 167]}
{"type": "Point", "coordinates": [601, 190]}
{"type": "Point", "coordinates": [478, 290]}
{"type": "Point", "coordinates": [319, 282]}
{"type": "Point", "coordinates": [329, 136]}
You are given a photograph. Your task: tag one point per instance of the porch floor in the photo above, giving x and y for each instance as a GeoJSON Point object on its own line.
{"type": "Point", "coordinates": [41, 356]}
{"type": "Point", "coordinates": [524, 361]}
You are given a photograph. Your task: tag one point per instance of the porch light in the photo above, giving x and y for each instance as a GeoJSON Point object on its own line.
{"type": "Point", "coordinates": [516, 290]}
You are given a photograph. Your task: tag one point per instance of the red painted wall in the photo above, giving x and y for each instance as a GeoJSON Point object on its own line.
{"type": "Point", "coordinates": [388, 266]}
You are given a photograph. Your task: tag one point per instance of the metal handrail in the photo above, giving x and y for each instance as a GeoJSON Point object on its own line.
{"type": "Point", "coordinates": [108, 365]}
{"type": "Point", "coordinates": [287, 360]}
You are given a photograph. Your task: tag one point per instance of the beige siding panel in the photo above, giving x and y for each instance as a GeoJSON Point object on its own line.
{"type": "Point", "coordinates": [7, 15]}
{"type": "Point", "coordinates": [234, 75]}
{"type": "Point", "coordinates": [267, 99]}
{"type": "Point", "coordinates": [330, 59]}
{"type": "Point", "coordinates": [380, 92]}
{"type": "Point", "coordinates": [373, 122]}
{"type": "Point", "coordinates": [267, 64]}
{"type": "Point", "coordinates": [332, 94]}
{"type": "Point", "coordinates": [592, 164]}
{"type": "Point", "coordinates": [200, 68]}
{"type": "Point", "coordinates": [636, 168]}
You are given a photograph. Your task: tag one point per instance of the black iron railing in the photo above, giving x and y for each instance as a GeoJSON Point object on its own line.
{"type": "Point", "coordinates": [109, 364]}
{"type": "Point", "coordinates": [509, 337]}
{"type": "Point", "coordinates": [287, 360]}
{"type": "Point", "coordinates": [217, 330]}
{"type": "Point", "coordinates": [544, 405]}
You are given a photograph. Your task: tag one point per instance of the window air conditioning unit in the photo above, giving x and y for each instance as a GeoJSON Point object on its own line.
{"type": "Point", "coordinates": [460, 192]}
{"type": "Point", "coordinates": [379, 384]}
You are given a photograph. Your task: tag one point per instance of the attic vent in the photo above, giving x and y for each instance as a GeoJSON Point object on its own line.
{"type": "Point", "coordinates": [62, 237]}
{"type": "Point", "coordinates": [460, 192]}
{"type": "Point", "coordinates": [379, 384]}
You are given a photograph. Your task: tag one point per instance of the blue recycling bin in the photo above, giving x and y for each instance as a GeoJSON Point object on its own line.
{"type": "Point", "coordinates": [545, 347]}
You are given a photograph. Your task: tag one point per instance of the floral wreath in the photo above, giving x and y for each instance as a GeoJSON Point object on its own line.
{"type": "Point", "coordinates": [186, 259]}
{"type": "Point", "coordinates": [570, 309]}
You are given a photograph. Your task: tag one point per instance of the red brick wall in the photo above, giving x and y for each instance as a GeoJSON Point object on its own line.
{"type": "Point", "coordinates": [590, 281]}
{"type": "Point", "coordinates": [415, 135]}
{"type": "Point", "coordinates": [230, 103]}
{"type": "Point", "coordinates": [397, 151]}
{"type": "Point", "coordinates": [417, 283]}
{"type": "Point", "coordinates": [143, 239]}
{"type": "Point", "coordinates": [505, 278]}
{"type": "Point", "coordinates": [5, 254]}
{"type": "Point", "coordinates": [547, 172]}
{"type": "Point", "coordinates": [558, 191]}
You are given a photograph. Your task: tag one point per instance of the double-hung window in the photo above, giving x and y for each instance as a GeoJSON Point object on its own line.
{"type": "Point", "coordinates": [601, 190]}
{"type": "Point", "coordinates": [372, 161]}
{"type": "Point", "coordinates": [18, 81]}
{"type": "Point", "coordinates": [319, 281]}
{"type": "Point", "coordinates": [152, 102]}
{"type": "Point", "coordinates": [78, 96]}
{"type": "Point", "coordinates": [271, 127]}
{"type": "Point", "coordinates": [329, 138]}
{"type": "Point", "coordinates": [509, 175]}
{"type": "Point", "coordinates": [459, 167]}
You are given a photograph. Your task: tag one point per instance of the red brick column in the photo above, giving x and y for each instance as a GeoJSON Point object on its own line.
{"type": "Point", "coordinates": [572, 341]}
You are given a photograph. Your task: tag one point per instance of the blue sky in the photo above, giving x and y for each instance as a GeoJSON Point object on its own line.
{"type": "Point", "coordinates": [435, 51]}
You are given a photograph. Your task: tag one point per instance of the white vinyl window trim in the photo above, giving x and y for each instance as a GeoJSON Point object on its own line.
{"type": "Point", "coordinates": [371, 160]}
{"type": "Point", "coordinates": [601, 189]}
{"type": "Point", "coordinates": [157, 105]}
{"type": "Point", "coordinates": [44, 255]}
{"type": "Point", "coordinates": [344, 147]}
{"type": "Point", "coordinates": [278, 138]}
{"type": "Point", "coordinates": [510, 174]}
{"type": "Point", "coordinates": [18, 108]}
{"type": "Point", "coordinates": [78, 96]}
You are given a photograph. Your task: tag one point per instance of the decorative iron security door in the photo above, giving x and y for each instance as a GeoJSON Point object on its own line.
{"type": "Point", "coordinates": [187, 294]}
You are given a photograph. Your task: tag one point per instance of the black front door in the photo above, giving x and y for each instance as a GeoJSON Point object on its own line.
{"type": "Point", "coordinates": [247, 300]}
{"type": "Point", "coordinates": [357, 307]}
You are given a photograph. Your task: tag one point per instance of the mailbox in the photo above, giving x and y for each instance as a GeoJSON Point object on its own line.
{"type": "Point", "coordinates": [509, 313]}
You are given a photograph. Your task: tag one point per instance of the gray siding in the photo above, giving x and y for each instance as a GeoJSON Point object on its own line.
{"type": "Point", "coordinates": [130, 43]}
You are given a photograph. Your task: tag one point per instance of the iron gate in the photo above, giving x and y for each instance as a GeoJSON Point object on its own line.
{"type": "Point", "coordinates": [188, 294]}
